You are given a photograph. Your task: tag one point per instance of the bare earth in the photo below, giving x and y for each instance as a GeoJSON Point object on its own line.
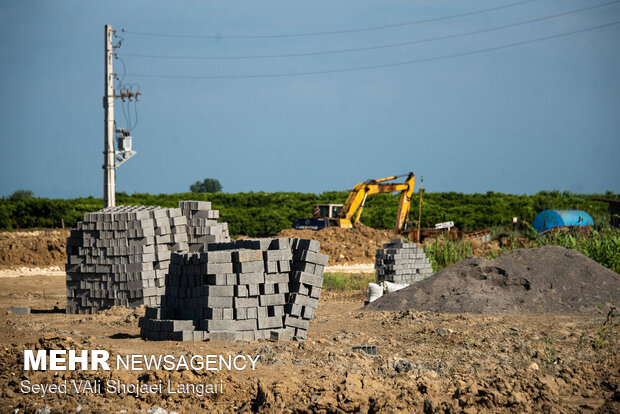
{"type": "Point", "coordinates": [426, 362]}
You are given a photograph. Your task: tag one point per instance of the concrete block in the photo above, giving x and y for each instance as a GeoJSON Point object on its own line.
{"type": "Point", "coordinates": [270, 300]}
{"type": "Point", "coordinates": [218, 290]}
{"type": "Point", "coordinates": [296, 322]}
{"type": "Point", "coordinates": [285, 334]}
{"type": "Point", "coordinates": [270, 322]}
{"type": "Point", "coordinates": [304, 300]}
{"type": "Point", "coordinates": [20, 310]}
{"type": "Point", "coordinates": [310, 245]}
{"type": "Point", "coordinates": [246, 302]}
{"type": "Point", "coordinates": [247, 256]}
{"type": "Point", "coordinates": [251, 278]}
{"type": "Point", "coordinates": [308, 279]}
{"type": "Point", "coordinates": [250, 267]}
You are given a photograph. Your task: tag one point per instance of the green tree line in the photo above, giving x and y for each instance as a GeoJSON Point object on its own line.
{"type": "Point", "coordinates": [265, 214]}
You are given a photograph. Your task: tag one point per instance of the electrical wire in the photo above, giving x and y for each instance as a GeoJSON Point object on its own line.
{"type": "Point", "coordinates": [386, 46]}
{"type": "Point", "coordinates": [126, 105]}
{"type": "Point", "coordinates": [332, 32]}
{"type": "Point", "coordinates": [387, 65]}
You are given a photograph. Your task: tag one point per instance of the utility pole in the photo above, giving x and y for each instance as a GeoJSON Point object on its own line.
{"type": "Point", "coordinates": [109, 169]}
{"type": "Point", "coordinates": [112, 158]}
{"type": "Point", "coordinates": [420, 210]}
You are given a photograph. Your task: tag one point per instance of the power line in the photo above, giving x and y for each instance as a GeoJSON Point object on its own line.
{"type": "Point", "coordinates": [387, 65]}
{"type": "Point", "coordinates": [361, 29]}
{"type": "Point", "coordinates": [386, 46]}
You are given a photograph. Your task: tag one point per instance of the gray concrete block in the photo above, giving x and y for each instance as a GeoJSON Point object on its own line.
{"type": "Point", "coordinates": [270, 322]}
{"type": "Point", "coordinates": [20, 310]}
{"type": "Point", "coordinates": [247, 256]}
{"type": "Point", "coordinates": [304, 300]}
{"type": "Point", "coordinates": [218, 290]}
{"type": "Point", "coordinates": [284, 334]}
{"type": "Point", "coordinates": [277, 278]}
{"type": "Point", "coordinates": [270, 300]}
{"type": "Point", "coordinates": [307, 244]}
{"type": "Point", "coordinates": [228, 314]}
{"type": "Point", "coordinates": [215, 268]}
{"type": "Point", "coordinates": [308, 279]}
{"type": "Point", "coordinates": [250, 267]}
{"type": "Point", "coordinates": [218, 301]}
{"type": "Point", "coordinates": [296, 322]}
{"type": "Point", "coordinates": [246, 302]}
{"type": "Point", "coordinates": [251, 278]}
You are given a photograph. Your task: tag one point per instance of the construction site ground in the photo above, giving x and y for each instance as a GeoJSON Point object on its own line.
{"type": "Point", "coordinates": [425, 362]}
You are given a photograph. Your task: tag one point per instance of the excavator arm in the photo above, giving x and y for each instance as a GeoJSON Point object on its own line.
{"type": "Point", "coordinates": [357, 198]}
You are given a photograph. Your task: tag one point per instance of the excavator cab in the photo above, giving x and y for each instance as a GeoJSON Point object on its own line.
{"type": "Point", "coordinates": [328, 211]}
{"type": "Point", "coordinates": [323, 215]}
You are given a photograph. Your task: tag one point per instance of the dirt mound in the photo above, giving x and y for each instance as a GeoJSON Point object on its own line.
{"type": "Point", "coordinates": [356, 245]}
{"type": "Point", "coordinates": [33, 248]}
{"type": "Point", "coordinates": [549, 279]}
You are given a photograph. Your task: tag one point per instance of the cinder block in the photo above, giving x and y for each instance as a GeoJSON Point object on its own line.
{"type": "Point", "coordinates": [218, 290]}
{"type": "Point", "coordinates": [270, 322]}
{"type": "Point", "coordinates": [247, 256]}
{"type": "Point", "coordinates": [285, 334]}
{"type": "Point", "coordinates": [304, 300]}
{"type": "Point", "coordinates": [218, 301]}
{"type": "Point", "coordinates": [224, 336]}
{"type": "Point", "coordinates": [296, 322]}
{"type": "Point", "coordinates": [215, 268]}
{"type": "Point", "coordinates": [270, 300]}
{"type": "Point", "coordinates": [308, 279]}
{"type": "Point", "coordinates": [251, 278]}
{"type": "Point", "coordinates": [249, 267]}
{"type": "Point", "coordinates": [246, 302]}
{"type": "Point", "coordinates": [307, 244]}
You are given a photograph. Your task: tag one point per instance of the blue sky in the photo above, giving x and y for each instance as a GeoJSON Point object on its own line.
{"type": "Point", "coordinates": [541, 116]}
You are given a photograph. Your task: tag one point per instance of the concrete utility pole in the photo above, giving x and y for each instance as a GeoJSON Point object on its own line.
{"type": "Point", "coordinates": [109, 170]}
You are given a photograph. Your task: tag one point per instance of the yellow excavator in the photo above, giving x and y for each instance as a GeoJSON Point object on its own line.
{"type": "Point", "coordinates": [349, 213]}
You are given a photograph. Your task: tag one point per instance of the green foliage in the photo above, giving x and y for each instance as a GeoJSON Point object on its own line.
{"type": "Point", "coordinates": [265, 214]}
{"type": "Point", "coordinates": [208, 185]}
{"type": "Point", "coordinates": [551, 354]}
{"type": "Point", "coordinates": [347, 282]}
{"type": "Point", "coordinates": [21, 194]}
{"type": "Point", "coordinates": [602, 246]}
{"type": "Point", "coordinates": [606, 329]}
{"type": "Point", "coordinates": [443, 252]}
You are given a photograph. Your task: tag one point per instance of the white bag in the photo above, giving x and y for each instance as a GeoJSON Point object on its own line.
{"type": "Point", "coordinates": [374, 292]}
{"type": "Point", "coordinates": [393, 287]}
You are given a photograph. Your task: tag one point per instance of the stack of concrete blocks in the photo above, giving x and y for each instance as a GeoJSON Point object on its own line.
{"type": "Point", "coordinates": [203, 227]}
{"type": "Point", "coordinates": [119, 256]}
{"type": "Point", "coordinates": [243, 290]}
{"type": "Point", "coordinates": [400, 262]}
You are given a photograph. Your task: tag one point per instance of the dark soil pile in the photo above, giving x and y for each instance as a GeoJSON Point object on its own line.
{"type": "Point", "coordinates": [356, 245]}
{"type": "Point", "coordinates": [33, 248]}
{"type": "Point", "coordinates": [549, 279]}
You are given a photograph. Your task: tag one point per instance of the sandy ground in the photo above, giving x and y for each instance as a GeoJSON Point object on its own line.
{"type": "Point", "coordinates": [426, 362]}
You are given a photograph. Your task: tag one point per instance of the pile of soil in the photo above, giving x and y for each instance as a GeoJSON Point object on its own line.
{"type": "Point", "coordinates": [549, 279]}
{"type": "Point", "coordinates": [33, 248]}
{"type": "Point", "coordinates": [356, 245]}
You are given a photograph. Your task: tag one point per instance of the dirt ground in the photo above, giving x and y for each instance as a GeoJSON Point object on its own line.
{"type": "Point", "coordinates": [346, 246]}
{"type": "Point", "coordinates": [33, 248]}
{"type": "Point", "coordinates": [426, 362]}
{"type": "Point", "coordinates": [45, 248]}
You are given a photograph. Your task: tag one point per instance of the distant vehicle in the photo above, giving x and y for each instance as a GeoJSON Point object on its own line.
{"type": "Point", "coordinates": [349, 213]}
